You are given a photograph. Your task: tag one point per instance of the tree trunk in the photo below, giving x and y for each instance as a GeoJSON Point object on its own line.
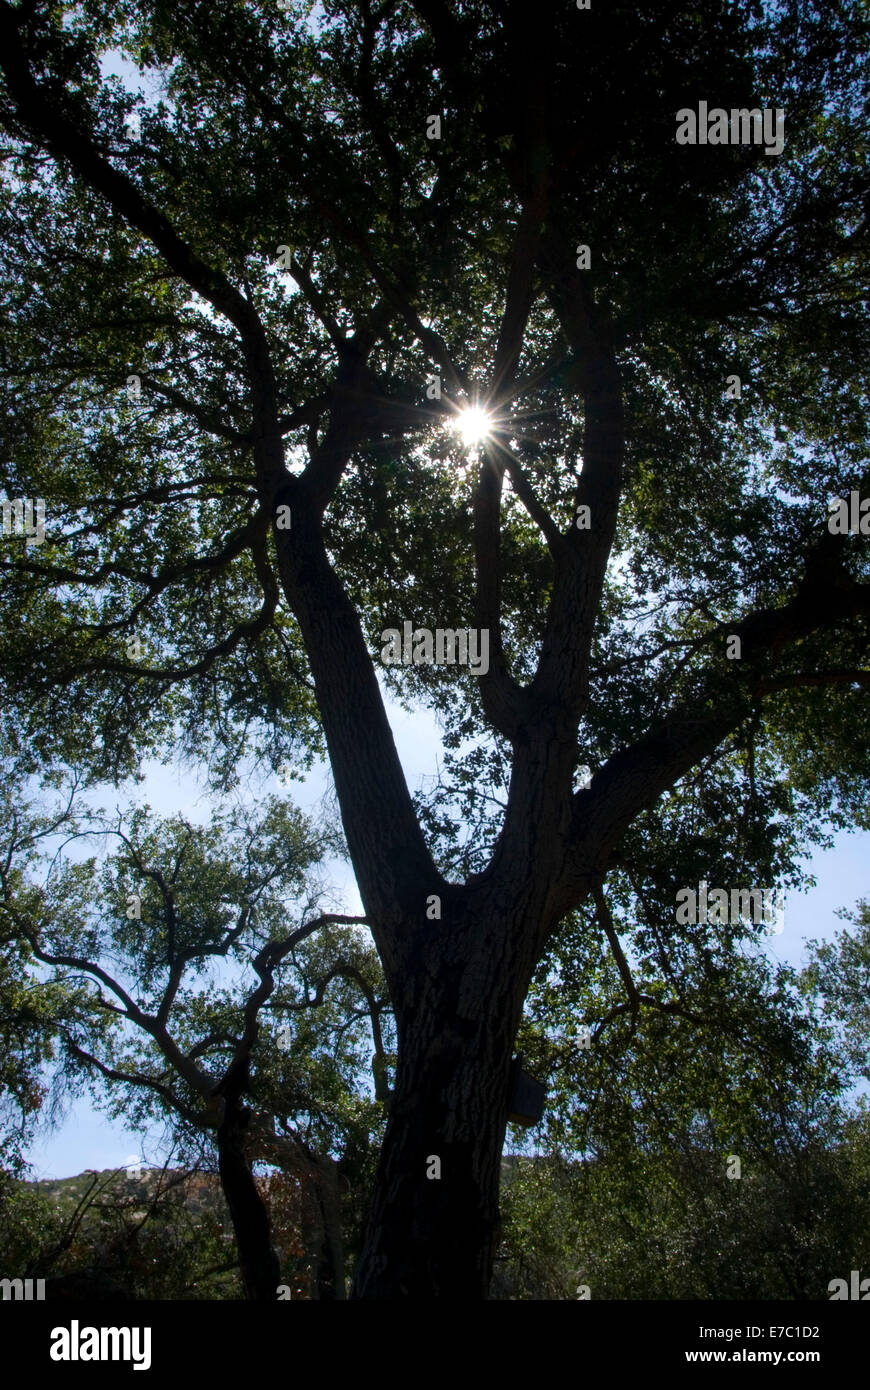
{"type": "Point", "coordinates": [261, 1271]}
{"type": "Point", "coordinates": [434, 1222]}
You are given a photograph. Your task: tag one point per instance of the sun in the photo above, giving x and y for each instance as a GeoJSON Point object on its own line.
{"type": "Point", "coordinates": [473, 425]}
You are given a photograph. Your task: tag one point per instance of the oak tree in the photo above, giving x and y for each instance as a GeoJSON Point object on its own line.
{"type": "Point", "coordinates": [246, 307]}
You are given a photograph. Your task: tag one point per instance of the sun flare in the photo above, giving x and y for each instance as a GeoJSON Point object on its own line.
{"type": "Point", "coordinates": [473, 425]}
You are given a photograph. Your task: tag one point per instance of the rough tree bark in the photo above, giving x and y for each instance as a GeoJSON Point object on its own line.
{"type": "Point", "coordinates": [433, 1223]}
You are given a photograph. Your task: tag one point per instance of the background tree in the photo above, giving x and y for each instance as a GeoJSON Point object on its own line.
{"type": "Point", "coordinates": [283, 488]}
{"type": "Point", "coordinates": [32, 1009]}
{"type": "Point", "coordinates": [838, 974]}
{"type": "Point", "coordinates": [116, 1236]}
{"type": "Point", "coordinates": [27, 1023]}
{"type": "Point", "coordinates": [160, 941]}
